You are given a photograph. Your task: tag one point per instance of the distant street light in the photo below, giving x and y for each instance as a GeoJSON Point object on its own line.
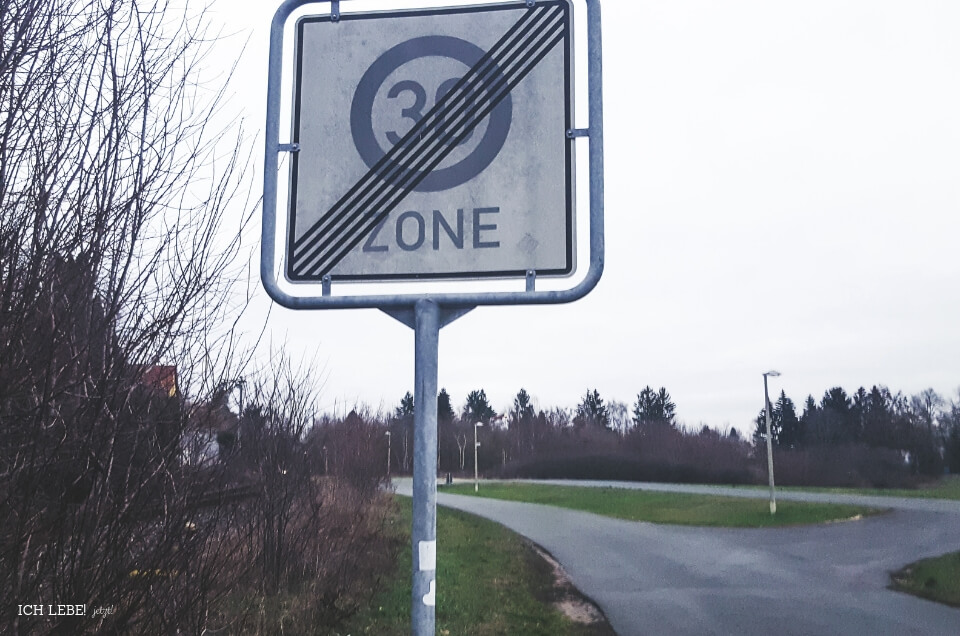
{"type": "Point", "coordinates": [388, 454]}
{"type": "Point", "coordinates": [476, 445]}
{"type": "Point", "coordinates": [766, 410]}
{"type": "Point", "coordinates": [240, 382]}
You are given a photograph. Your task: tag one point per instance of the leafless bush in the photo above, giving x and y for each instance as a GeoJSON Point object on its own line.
{"type": "Point", "coordinates": [116, 262]}
{"type": "Point", "coordinates": [852, 465]}
{"type": "Point", "coordinates": [318, 530]}
{"type": "Point", "coordinates": [353, 450]}
{"type": "Point", "coordinates": [659, 453]}
{"type": "Point", "coordinates": [113, 258]}
{"type": "Point", "coordinates": [344, 545]}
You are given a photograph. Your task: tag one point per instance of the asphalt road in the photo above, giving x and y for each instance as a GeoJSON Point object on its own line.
{"type": "Point", "coordinates": [818, 580]}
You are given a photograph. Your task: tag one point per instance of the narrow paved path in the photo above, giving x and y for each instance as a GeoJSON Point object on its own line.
{"type": "Point", "coordinates": [817, 580]}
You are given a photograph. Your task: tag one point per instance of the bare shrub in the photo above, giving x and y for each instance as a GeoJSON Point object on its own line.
{"type": "Point", "coordinates": [116, 262]}
{"type": "Point", "coordinates": [113, 259]}
{"type": "Point", "coordinates": [658, 453]}
{"type": "Point", "coordinates": [318, 530]}
{"type": "Point", "coordinates": [851, 465]}
{"type": "Point", "coordinates": [356, 450]}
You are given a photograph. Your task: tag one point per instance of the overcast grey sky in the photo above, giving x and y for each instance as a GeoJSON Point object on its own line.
{"type": "Point", "coordinates": [782, 191]}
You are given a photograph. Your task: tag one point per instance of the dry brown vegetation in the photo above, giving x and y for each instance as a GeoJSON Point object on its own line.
{"type": "Point", "coordinates": [120, 283]}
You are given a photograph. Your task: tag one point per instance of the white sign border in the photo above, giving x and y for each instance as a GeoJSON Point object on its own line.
{"type": "Point", "coordinates": [404, 302]}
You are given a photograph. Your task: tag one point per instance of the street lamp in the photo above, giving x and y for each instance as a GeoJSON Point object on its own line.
{"type": "Point", "coordinates": [388, 454]}
{"type": "Point", "coordinates": [240, 382]}
{"type": "Point", "coordinates": [476, 445]}
{"type": "Point", "coordinates": [766, 410]}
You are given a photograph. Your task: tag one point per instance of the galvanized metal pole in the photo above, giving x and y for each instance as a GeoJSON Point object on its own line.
{"type": "Point", "coordinates": [424, 535]}
{"type": "Point", "coordinates": [773, 497]}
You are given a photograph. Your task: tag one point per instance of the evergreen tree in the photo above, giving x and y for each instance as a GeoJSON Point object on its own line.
{"type": "Point", "coordinates": [810, 422]}
{"type": "Point", "coordinates": [654, 407]}
{"type": "Point", "coordinates": [858, 412]}
{"type": "Point", "coordinates": [444, 407]}
{"type": "Point", "coordinates": [790, 428]}
{"type": "Point", "coordinates": [786, 429]}
{"type": "Point", "coordinates": [838, 424]}
{"type": "Point", "coordinates": [406, 407]}
{"type": "Point", "coordinates": [760, 430]}
{"type": "Point", "coordinates": [477, 408]}
{"type": "Point", "coordinates": [951, 424]}
{"type": "Point", "coordinates": [666, 409]}
{"type": "Point", "coordinates": [523, 424]}
{"type": "Point", "coordinates": [878, 419]}
{"type": "Point", "coordinates": [592, 410]}
{"type": "Point", "coordinates": [522, 406]}
{"type": "Point", "coordinates": [644, 406]}
{"type": "Point", "coordinates": [809, 408]}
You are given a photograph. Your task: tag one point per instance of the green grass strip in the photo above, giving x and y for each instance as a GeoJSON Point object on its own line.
{"type": "Point", "coordinates": [947, 487]}
{"type": "Point", "coordinates": [673, 508]}
{"type": "Point", "coordinates": [489, 582]}
{"type": "Point", "coordinates": [936, 579]}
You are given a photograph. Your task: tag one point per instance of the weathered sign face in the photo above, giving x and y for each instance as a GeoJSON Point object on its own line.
{"type": "Point", "coordinates": [433, 145]}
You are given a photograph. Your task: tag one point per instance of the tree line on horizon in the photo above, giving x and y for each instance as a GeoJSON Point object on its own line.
{"type": "Point", "coordinates": [650, 406]}
{"type": "Point", "coordinates": [918, 434]}
{"type": "Point", "coordinates": [924, 427]}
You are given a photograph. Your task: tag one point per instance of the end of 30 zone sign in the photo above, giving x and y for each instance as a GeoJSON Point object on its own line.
{"type": "Point", "coordinates": [433, 144]}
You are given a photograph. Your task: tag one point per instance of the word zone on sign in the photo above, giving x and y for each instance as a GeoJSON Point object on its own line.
{"type": "Point", "coordinates": [412, 231]}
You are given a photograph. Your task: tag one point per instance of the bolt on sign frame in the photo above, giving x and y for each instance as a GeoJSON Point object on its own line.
{"type": "Point", "coordinates": [331, 235]}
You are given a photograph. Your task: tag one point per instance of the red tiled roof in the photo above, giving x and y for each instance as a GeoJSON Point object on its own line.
{"type": "Point", "coordinates": [162, 378]}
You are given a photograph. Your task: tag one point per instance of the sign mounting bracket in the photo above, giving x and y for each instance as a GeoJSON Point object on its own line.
{"type": "Point", "coordinates": [408, 315]}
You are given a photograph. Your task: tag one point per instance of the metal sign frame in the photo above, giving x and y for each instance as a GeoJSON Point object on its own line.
{"type": "Point", "coordinates": [401, 305]}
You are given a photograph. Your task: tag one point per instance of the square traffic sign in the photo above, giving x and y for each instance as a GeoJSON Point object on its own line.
{"type": "Point", "coordinates": [433, 144]}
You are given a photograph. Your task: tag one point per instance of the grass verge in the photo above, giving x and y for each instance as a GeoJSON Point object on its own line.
{"type": "Point", "coordinates": [947, 487]}
{"type": "Point", "coordinates": [936, 579]}
{"type": "Point", "coordinates": [489, 581]}
{"type": "Point", "coordinates": [673, 508]}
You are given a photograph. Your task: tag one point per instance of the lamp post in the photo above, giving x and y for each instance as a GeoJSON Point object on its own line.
{"type": "Point", "coordinates": [476, 445]}
{"type": "Point", "coordinates": [240, 382]}
{"type": "Point", "coordinates": [766, 410]}
{"type": "Point", "coordinates": [388, 454]}
{"type": "Point", "coordinates": [325, 465]}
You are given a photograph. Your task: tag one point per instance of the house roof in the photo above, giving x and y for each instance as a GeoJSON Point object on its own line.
{"type": "Point", "coordinates": [160, 377]}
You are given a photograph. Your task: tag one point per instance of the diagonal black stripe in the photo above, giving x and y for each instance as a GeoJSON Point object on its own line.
{"type": "Point", "coordinates": [362, 231]}
{"type": "Point", "coordinates": [466, 104]}
{"type": "Point", "coordinates": [413, 162]}
{"type": "Point", "coordinates": [403, 146]}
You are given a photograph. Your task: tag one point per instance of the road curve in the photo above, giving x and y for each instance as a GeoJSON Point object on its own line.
{"type": "Point", "coordinates": [657, 580]}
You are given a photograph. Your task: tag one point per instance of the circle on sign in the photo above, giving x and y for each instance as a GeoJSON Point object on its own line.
{"type": "Point", "coordinates": [361, 109]}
